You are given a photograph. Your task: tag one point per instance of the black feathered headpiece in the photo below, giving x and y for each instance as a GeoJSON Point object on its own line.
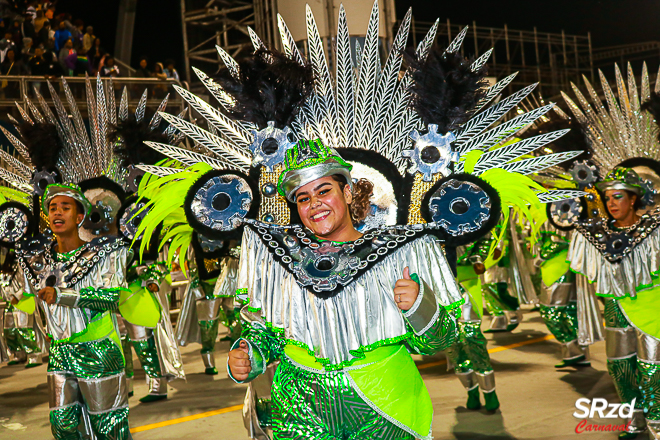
{"type": "Point", "coordinates": [445, 90]}
{"type": "Point", "coordinates": [270, 87]}
{"type": "Point", "coordinates": [574, 140]}
{"type": "Point", "coordinates": [653, 106]}
{"type": "Point", "coordinates": [43, 144]}
{"type": "Point", "coordinates": [129, 136]}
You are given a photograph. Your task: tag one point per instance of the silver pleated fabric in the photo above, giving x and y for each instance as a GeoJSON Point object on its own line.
{"type": "Point", "coordinates": [519, 272]}
{"type": "Point", "coordinates": [171, 364]}
{"type": "Point", "coordinates": [226, 283]}
{"type": "Point", "coordinates": [187, 328]}
{"type": "Point", "coordinates": [616, 279]}
{"type": "Point", "coordinates": [362, 314]}
{"type": "Point", "coordinates": [4, 349]}
{"type": "Point", "coordinates": [109, 272]}
{"type": "Point", "coordinates": [590, 323]}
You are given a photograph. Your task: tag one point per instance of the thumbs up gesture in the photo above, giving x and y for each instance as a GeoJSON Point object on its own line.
{"type": "Point", "coordinates": [406, 291]}
{"type": "Point", "coordinates": [239, 362]}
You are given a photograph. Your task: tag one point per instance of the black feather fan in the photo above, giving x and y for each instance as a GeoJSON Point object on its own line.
{"type": "Point", "coordinates": [271, 87]}
{"type": "Point", "coordinates": [653, 106]}
{"type": "Point", "coordinates": [43, 144]}
{"type": "Point", "coordinates": [129, 137]}
{"type": "Point", "coordinates": [574, 140]}
{"type": "Point", "coordinates": [444, 90]}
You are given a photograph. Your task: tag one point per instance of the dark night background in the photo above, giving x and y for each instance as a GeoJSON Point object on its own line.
{"type": "Point", "coordinates": [158, 31]}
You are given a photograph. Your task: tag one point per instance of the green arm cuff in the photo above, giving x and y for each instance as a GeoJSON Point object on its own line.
{"type": "Point", "coordinates": [424, 312]}
{"type": "Point", "coordinates": [90, 298]}
{"type": "Point", "coordinates": [257, 361]}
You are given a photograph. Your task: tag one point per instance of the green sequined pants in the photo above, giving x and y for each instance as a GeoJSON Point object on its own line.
{"type": "Point", "coordinates": [87, 381]}
{"type": "Point", "coordinates": [308, 405]}
{"type": "Point", "coordinates": [561, 321]}
{"type": "Point", "coordinates": [469, 352]}
{"type": "Point", "coordinates": [498, 299]}
{"type": "Point", "coordinates": [21, 340]}
{"type": "Point", "coordinates": [209, 331]}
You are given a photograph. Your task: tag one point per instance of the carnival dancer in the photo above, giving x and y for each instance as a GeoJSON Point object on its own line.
{"type": "Point", "coordinates": [144, 315]}
{"type": "Point", "coordinates": [24, 336]}
{"type": "Point", "coordinates": [469, 354]}
{"type": "Point", "coordinates": [615, 245]}
{"type": "Point", "coordinates": [559, 299]}
{"type": "Point", "coordinates": [342, 310]}
{"type": "Point", "coordinates": [78, 285]}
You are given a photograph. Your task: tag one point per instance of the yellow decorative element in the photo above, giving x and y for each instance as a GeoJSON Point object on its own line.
{"type": "Point", "coordinates": [597, 203]}
{"type": "Point", "coordinates": [211, 265]}
{"type": "Point", "coordinates": [275, 204]}
{"type": "Point", "coordinates": [419, 189]}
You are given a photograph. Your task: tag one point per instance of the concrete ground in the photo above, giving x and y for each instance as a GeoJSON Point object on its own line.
{"type": "Point", "coordinates": [537, 400]}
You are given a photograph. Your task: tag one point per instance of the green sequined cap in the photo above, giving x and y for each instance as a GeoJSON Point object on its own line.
{"type": "Point", "coordinates": [622, 178]}
{"type": "Point", "coordinates": [307, 161]}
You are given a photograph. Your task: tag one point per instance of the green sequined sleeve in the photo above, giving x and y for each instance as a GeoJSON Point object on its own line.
{"type": "Point", "coordinates": [439, 336]}
{"type": "Point", "coordinates": [265, 344]}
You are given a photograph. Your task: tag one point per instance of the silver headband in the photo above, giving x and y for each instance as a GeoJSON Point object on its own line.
{"type": "Point", "coordinates": [617, 184]}
{"type": "Point", "coordinates": [295, 179]}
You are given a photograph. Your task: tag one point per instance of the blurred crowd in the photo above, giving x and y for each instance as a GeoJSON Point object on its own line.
{"type": "Point", "coordinates": [38, 40]}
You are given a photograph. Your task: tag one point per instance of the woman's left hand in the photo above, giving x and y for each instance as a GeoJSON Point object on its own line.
{"type": "Point", "coordinates": [406, 291]}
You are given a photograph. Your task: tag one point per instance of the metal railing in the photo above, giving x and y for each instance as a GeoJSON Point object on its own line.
{"type": "Point", "coordinates": [14, 89]}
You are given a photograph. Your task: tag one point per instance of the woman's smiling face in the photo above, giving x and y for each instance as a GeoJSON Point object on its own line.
{"type": "Point", "coordinates": [323, 206]}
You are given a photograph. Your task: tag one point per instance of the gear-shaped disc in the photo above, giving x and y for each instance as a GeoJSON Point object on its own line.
{"type": "Point", "coordinates": [270, 145]}
{"type": "Point", "coordinates": [460, 207]}
{"type": "Point", "coordinates": [130, 219]}
{"type": "Point", "coordinates": [565, 213]}
{"type": "Point", "coordinates": [15, 222]}
{"type": "Point", "coordinates": [584, 173]}
{"type": "Point", "coordinates": [41, 179]}
{"type": "Point", "coordinates": [432, 153]}
{"type": "Point", "coordinates": [222, 202]}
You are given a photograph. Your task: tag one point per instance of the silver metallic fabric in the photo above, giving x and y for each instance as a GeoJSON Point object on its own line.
{"type": "Point", "coordinates": [638, 422]}
{"type": "Point", "coordinates": [616, 279]}
{"type": "Point", "coordinates": [226, 283]}
{"type": "Point", "coordinates": [362, 314]}
{"type": "Point", "coordinates": [620, 343]}
{"type": "Point", "coordinates": [208, 359]}
{"type": "Point", "coordinates": [590, 323]}
{"type": "Point", "coordinates": [520, 279]}
{"type": "Point", "coordinates": [105, 393]}
{"type": "Point", "coordinates": [207, 309]}
{"type": "Point", "coordinates": [559, 294]}
{"type": "Point", "coordinates": [171, 363]}
{"type": "Point", "coordinates": [187, 327]}
{"type": "Point", "coordinates": [108, 272]}
{"type": "Point", "coordinates": [486, 381]}
{"type": "Point", "coordinates": [157, 386]}
{"type": "Point", "coordinates": [648, 348]}
{"type": "Point", "coordinates": [654, 429]}
{"type": "Point", "coordinates": [424, 311]}
{"type": "Point", "coordinates": [257, 420]}
{"type": "Point", "coordinates": [468, 380]}
{"type": "Point", "coordinates": [572, 350]}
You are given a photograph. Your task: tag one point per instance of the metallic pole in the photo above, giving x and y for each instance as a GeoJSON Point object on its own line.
{"type": "Point", "coordinates": [125, 26]}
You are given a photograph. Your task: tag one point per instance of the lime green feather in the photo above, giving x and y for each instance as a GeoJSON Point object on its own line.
{"type": "Point", "coordinates": [12, 194]}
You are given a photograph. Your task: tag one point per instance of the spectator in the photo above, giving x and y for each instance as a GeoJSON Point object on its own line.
{"type": "Point", "coordinates": [61, 35]}
{"type": "Point", "coordinates": [28, 49]}
{"type": "Point", "coordinates": [66, 51]}
{"type": "Point", "coordinates": [39, 21]}
{"type": "Point", "coordinates": [160, 90]}
{"type": "Point", "coordinates": [53, 67]}
{"type": "Point", "coordinates": [6, 44]}
{"type": "Point", "coordinates": [50, 12]}
{"type": "Point", "coordinates": [77, 33]}
{"type": "Point", "coordinates": [88, 39]}
{"type": "Point", "coordinates": [170, 71]}
{"type": "Point", "coordinates": [31, 9]}
{"type": "Point", "coordinates": [15, 67]}
{"type": "Point", "coordinates": [16, 32]}
{"type": "Point", "coordinates": [142, 70]}
{"type": "Point", "coordinates": [37, 63]}
{"type": "Point", "coordinates": [28, 27]}
{"type": "Point", "coordinates": [95, 55]}
{"type": "Point", "coordinates": [43, 34]}
{"type": "Point", "coordinates": [108, 67]}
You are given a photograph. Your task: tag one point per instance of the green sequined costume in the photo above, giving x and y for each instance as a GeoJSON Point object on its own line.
{"type": "Point", "coordinates": [375, 392]}
{"type": "Point", "coordinates": [86, 377]}
{"type": "Point", "coordinates": [18, 325]}
{"type": "Point", "coordinates": [469, 354]}
{"type": "Point", "coordinates": [558, 297]}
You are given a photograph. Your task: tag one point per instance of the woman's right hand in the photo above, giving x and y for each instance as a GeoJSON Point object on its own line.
{"type": "Point", "coordinates": [239, 362]}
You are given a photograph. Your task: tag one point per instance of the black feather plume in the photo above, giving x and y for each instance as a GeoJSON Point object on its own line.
{"type": "Point", "coordinates": [574, 140]}
{"type": "Point", "coordinates": [129, 137]}
{"type": "Point", "coordinates": [653, 106]}
{"type": "Point", "coordinates": [43, 144]}
{"type": "Point", "coordinates": [444, 90]}
{"type": "Point", "coordinates": [271, 87]}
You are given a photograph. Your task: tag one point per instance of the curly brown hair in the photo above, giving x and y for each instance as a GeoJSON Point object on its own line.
{"type": "Point", "coordinates": [362, 192]}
